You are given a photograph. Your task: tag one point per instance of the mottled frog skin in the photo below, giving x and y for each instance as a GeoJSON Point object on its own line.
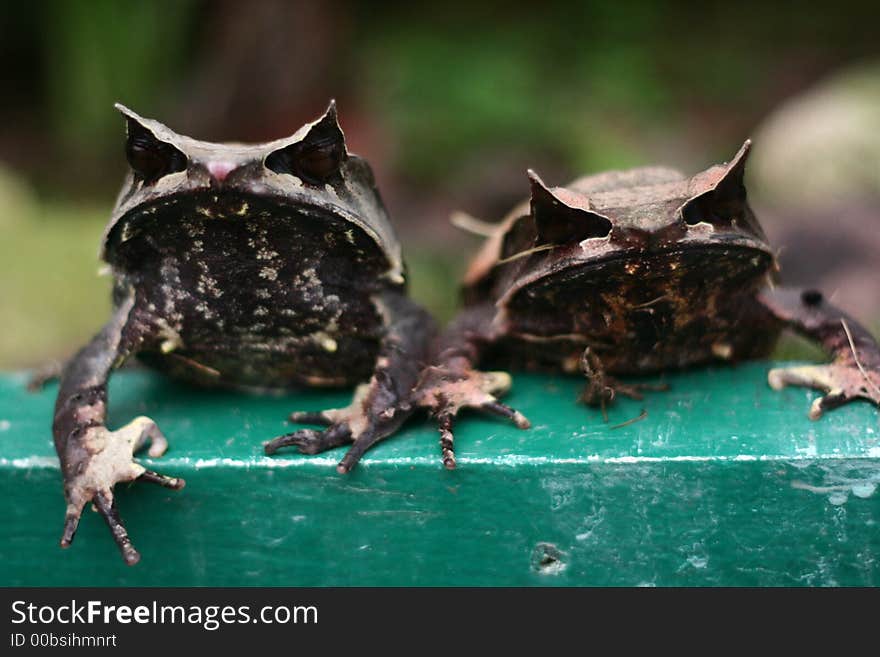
{"type": "Point", "coordinates": [251, 266]}
{"type": "Point", "coordinates": [632, 272]}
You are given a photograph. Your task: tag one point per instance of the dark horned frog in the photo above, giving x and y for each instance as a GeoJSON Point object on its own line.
{"type": "Point", "coordinates": [632, 272]}
{"type": "Point", "coordinates": [255, 266]}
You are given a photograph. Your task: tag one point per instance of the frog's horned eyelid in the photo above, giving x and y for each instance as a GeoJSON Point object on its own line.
{"type": "Point", "coordinates": [734, 171]}
{"type": "Point", "coordinates": [555, 196]}
{"type": "Point", "coordinates": [329, 120]}
{"type": "Point", "coordinates": [539, 192]}
{"type": "Point", "coordinates": [741, 155]}
{"type": "Point", "coordinates": [159, 130]}
{"type": "Point", "coordinates": [330, 116]}
{"type": "Point", "coordinates": [535, 179]}
{"type": "Point", "coordinates": [131, 115]}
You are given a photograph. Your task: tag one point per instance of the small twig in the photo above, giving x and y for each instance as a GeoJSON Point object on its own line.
{"type": "Point", "coordinates": [471, 224]}
{"type": "Point", "coordinates": [649, 303]}
{"type": "Point", "coordinates": [189, 361]}
{"type": "Point", "coordinates": [852, 346]}
{"type": "Point", "coordinates": [640, 417]}
{"type": "Point", "coordinates": [523, 254]}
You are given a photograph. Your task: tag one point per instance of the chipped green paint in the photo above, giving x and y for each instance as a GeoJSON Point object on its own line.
{"type": "Point", "coordinates": [725, 482]}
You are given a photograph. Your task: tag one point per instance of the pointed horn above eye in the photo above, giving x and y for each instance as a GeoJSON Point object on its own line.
{"type": "Point", "coordinates": [725, 177]}
{"type": "Point", "coordinates": [330, 112]}
{"type": "Point", "coordinates": [315, 153]}
{"type": "Point", "coordinates": [126, 112]}
{"type": "Point", "coordinates": [149, 147]}
{"type": "Point", "coordinates": [562, 216]}
{"type": "Point", "coordinates": [539, 190]}
{"type": "Point", "coordinates": [327, 127]}
{"type": "Point", "coordinates": [718, 195]}
{"type": "Point", "coordinates": [133, 118]}
{"type": "Point", "coordinates": [157, 129]}
{"type": "Point", "coordinates": [736, 168]}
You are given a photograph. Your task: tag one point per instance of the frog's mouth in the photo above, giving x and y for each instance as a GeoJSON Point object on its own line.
{"type": "Point", "coordinates": [640, 277]}
{"type": "Point", "coordinates": [657, 306]}
{"type": "Point", "coordinates": [193, 223]}
{"type": "Point", "coordinates": [196, 214]}
{"type": "Point", "coordinates": [210, 206]}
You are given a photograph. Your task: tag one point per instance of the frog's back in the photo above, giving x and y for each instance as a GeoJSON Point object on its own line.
{"type": "Point", "coordinates": [639, 177]}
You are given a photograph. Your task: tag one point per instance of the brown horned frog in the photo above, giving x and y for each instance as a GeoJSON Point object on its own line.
{"type": "Point", "coordinates": [250, 266]}
{"type": "Point", "coordinates": [632, 272]}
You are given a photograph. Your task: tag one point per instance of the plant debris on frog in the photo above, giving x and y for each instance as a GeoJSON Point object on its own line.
{"type": "Point", "coordinates": [255, 266]}
{"type": "Point", "coordinates": [632, 272]}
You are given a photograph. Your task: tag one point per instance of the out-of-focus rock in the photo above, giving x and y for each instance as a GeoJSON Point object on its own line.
{"type": "Point", "coordinates": [815, 180]}
{"type": "Point", "coordinates": [823, 146]}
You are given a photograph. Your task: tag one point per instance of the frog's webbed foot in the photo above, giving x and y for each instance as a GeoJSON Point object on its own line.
{"type": "Point", "coordinates": [381, 406]}
{"type": "Point", "coordinates": [360, 423]}
{"type": "Point", "coordinates": [96, 460]}
{"type": "Point", "coordinates": [853, 373]}
{"type": "Point", "coordinates": [339, 423]}
{"type": "Point", "coordinates": [841, 383]}
{"type": "Point", "coordinates": [602, 389]}
{"type": "Point", "coordinates": [311, 441]}
{"type": "Point", "coordinates": [445, 390]}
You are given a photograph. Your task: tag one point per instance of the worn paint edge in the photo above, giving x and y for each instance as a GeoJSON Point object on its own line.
{"type": "Point", "coordinates": [505, 460]}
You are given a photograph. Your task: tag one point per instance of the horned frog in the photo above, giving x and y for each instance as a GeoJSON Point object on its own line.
{"type": "Point", "coordinates": [633, 272]}
{"type": "Point", "coordinates": [257, 266]}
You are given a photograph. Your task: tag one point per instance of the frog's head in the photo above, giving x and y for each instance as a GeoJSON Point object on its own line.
{"type": "Point", "coordinates": [643, 221]}
{"type": "Point", "coordinates": [649, 209]}
{"type": "Point", "coordinates": [310, 172]}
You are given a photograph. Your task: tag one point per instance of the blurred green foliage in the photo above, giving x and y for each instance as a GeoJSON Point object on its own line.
{"type": "Point", "coordinates": [101, 51]}
{"type": "Point", "coordinates": [50, 291]}
{"type": "Point", "coordinates": [455, 92]}
{"type": "Point", "coordinates": [593, 85]}
{"type": "Point", "coordinates": [458, 91]}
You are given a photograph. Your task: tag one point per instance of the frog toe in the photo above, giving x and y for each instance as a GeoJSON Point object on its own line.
{"type": "Point", "coordinates": [841, 383]}
{"type": "Point", "coordinates": [311, 441]}
{"type": "Point", "coordinates": [100, 460]}
{"type": "Point", "coordinates": [444, 392]}
{"type": "Point", "coordinates": [105, 504]}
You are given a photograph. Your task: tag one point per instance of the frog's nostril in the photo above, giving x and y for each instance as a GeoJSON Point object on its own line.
{"type": "Point", "coordinates": [219, 170]}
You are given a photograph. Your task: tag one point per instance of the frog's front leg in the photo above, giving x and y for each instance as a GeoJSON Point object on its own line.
{"type": "Point", "coordinates": [854, 371]}
{"type": "Point", "coordinates": [381, 406]}
{"type": "Point", "coordinates": [452, 381]}
{"type": "Point", "coordinates": [93, 458]}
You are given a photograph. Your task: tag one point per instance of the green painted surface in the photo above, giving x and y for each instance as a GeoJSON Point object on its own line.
{"type": "Point", "coordinates": [725, 482]}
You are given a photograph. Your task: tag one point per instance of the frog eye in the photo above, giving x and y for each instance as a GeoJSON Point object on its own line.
{"type": "Point", "coordinates": [314, 163]}
{"type": "Point", "coordinates": [714, 208]}
{"type": "Point", "coordinates": [562, 216]}
{"type": "Point", "coordinates": [149, 157]}
{"type": "Point", "coordinates": [725, 199]}
{"type": "Point", "coordinates": [318, 157]}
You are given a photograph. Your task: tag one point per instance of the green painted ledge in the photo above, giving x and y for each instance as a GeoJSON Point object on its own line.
{"type": "Point", "coordinates": [725, 482]}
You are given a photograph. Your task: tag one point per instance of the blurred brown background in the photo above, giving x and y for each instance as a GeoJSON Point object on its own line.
{"type": "Point", "coordinates": [450, 104]}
